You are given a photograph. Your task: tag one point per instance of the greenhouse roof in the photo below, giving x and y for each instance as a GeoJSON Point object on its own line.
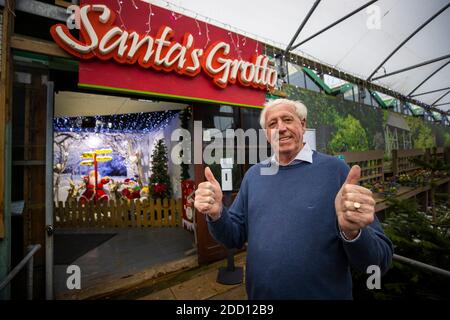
{"type": "Point", "coordinates": [401, 45]}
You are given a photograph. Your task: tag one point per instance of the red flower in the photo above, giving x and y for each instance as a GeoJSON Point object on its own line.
{"type": "Point", "coordinates": [160, 188]}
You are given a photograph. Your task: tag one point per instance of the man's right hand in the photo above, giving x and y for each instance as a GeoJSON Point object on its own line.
{"type": "Point", "coordinates": [208, 196]}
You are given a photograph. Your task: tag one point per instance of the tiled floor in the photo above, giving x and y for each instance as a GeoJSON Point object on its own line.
{"type": "Point", "coordinates": [128, 252]}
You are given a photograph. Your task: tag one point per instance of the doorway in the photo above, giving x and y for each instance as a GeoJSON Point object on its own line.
{"type": "Point", "coordinates": [117, 194]}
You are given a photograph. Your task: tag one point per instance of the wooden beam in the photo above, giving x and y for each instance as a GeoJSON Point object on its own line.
{"type": "Point", "coordinates": [5, 104]}
{"type": "Point", "coordinates": [63, 3]}
{"type": "Point", "coordinates": [37, 45]}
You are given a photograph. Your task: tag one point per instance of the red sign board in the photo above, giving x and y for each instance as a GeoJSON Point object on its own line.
{"type": "Point", "coordinates": [137, 47]}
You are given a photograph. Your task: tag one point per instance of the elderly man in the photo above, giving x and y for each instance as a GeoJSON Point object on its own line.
{"type": "Point", "coordinates": [306, 225]}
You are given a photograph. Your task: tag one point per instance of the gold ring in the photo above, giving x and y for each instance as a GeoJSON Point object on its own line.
{"type": "Point", "coordinates": [357, 205]}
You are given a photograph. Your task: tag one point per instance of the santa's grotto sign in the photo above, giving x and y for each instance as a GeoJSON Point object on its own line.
{"type": "Point", "coordinates": [138, 47]}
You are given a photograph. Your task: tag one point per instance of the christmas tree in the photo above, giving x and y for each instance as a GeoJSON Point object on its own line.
{"type": "Point", "coordinates": [160, 186]}
{"type": "Point", "coordinates": [185, 116]}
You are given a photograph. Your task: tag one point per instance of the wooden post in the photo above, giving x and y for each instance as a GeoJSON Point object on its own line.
{"type": "Point", "coordinates": [139, 213]}
{"type": "Point", "coordinates": [394, 162]}
{"type": "Point", "coordinates": [145, 213]}
{"type": "Point", "coordinates": [429, 154]}
{"type": "Point", "coordinates": [151, 210]}
{"type": "Point", "coordinates": [173, 211]}
{"type": "Point", "coordinates": [112, 213]}
{"type": "Point", "coordinates": [165, 213]}
{"type": "Point", "coordinates": [6, 23]}
{"type": "Point", "coordinates": [158, 209]}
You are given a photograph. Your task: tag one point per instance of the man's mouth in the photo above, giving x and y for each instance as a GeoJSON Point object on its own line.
{"type": "Point", "coordinates": [284, 139]}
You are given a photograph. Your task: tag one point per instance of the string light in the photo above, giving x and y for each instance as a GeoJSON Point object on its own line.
{"type": "Point", "coordinates": [119, 123]}
{"type": "Point", "coordinates": [175, 17]}
{"type": "Point", "coordinates": [150, 14]}
{"type": "Point", "coordinates": [207, 35]}
{"type": "Point", "coordinates": [119, 2]}
{"type": "Point", "coordinates": [134, 4]}
{"type": "Point", "coordinates": [234, 44]}
{"type": "Point", "coordinates": [198, 26]}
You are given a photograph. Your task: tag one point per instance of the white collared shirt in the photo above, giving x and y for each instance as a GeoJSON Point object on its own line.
{"type": "Point", "coordinates": [305, 154]}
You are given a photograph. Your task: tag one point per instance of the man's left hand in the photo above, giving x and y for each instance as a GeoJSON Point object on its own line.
{"type": "Point", "coordinates": [355, 205]}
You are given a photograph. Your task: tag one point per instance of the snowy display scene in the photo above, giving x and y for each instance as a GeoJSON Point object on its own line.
{"type": "Point", "coordinates": [115, 157]}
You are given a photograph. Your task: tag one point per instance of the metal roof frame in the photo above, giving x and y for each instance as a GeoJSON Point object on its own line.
{"type": "Point", "coordinates": [440, 98]}
{"type": "Point", "coordinates": [302, 25]}
{"type": "Point", "coordinates": [428, 108]}
{"type": "Point", "coordinates": [427, 78]}
{"type": "Point", "coordinates": [333, 24]}
{"type": "Point", "coordinates": [412, 67]}
{"type": "Point", "coordinates": [427, 92]}
{"type": "Point", "coordinates": [407, 39]}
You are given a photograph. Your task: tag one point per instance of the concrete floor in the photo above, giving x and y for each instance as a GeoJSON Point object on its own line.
{"type": "Point", "coordinates": [130, 251]}
{"type": "Point", "coordinates": [201, 286]}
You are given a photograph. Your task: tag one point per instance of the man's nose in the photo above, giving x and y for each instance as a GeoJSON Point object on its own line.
{"type": "Point", "coordinates": [281, 126]}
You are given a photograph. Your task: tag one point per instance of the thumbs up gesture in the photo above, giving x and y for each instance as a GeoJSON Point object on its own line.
{"type": "Point", "coordinates": [208, 196]}
{"type": "Point", "coordinates": [355, 205]}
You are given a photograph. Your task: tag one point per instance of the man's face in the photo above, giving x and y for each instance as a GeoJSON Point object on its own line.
{"type": "Point", "coordinates": [283, 119]}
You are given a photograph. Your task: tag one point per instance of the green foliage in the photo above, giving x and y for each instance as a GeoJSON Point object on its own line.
{"type": "Point", "coordinates": [415, 237]}
{"type": "Point", "coordinates": [326, 112]}
{"type": "Point", "coordinates": [422, 135]}
{"type": "Point", "coordinates": [447, 140]}
{"type": "Point", "coordinates": [160, 185]}
{"type": "Point", "coordinates": [385, 117]}
{"type": "Point", "coordinates": [434, 164]}
{"type": "Point", "coordinates": [350, 136]}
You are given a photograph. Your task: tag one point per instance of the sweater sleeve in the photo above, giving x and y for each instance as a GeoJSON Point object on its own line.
{"type": "Point", "coordinates": [372, 247]}
{"type": "Point", "coordinates": [231, 228]}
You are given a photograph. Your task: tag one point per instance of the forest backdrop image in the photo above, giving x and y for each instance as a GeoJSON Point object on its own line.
{"type": "Point", "coordinates": [343, 126]}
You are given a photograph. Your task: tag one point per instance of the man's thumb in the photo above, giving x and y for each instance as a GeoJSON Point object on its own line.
{"type": "Point", "coordinates": [354, 175]}
{"type": "Point", "coordinates": [209, 175]}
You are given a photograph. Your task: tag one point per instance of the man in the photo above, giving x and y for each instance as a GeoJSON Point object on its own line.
{"type": "Point", "coordinates": [306, 225]}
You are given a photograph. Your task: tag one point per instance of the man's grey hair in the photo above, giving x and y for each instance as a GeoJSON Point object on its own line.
{"type": "Point", "coordinates": [299, 108]}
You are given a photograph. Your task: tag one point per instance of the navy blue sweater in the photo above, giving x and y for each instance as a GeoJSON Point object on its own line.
{"type": "Point", "coordinates": [295, 250]}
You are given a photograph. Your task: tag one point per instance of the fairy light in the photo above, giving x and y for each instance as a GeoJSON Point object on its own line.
{"type": "Point", "coordinates": [150, 14]}
{"type": "Point", "coordinates": [234, 44]}
{"type": "Point", "coordinates": [119, 123]}
{"type": "Point", "coordinates": [208, 40]}
{"type": "Point", "coordinates": [134, 4]}
{"type": "Point", "coordinates": [119, 12]}
{"type": "Point", "coordinates": [198, 26]}
{"type": "Point", "coordinates": [175, 16]}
